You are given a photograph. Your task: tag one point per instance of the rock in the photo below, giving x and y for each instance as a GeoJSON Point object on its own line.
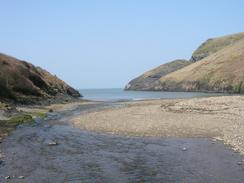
{"type": "Point", "coordinates": [47, 126]}
{"type": "Point", "coordinates": [1, 162]}
{"type": "Point", "coordinates": [74, 93]}
{"type": "Point", "coordinates": [148, 80]}
{"type": "Point", "coordinates": [2, 156]}
{"type": "Point", "coordinates": [21, 177]}
{"type": "Point", "coordinates": [50, 110]}
{"type": "Point", "coordinates": [240, 163]}
{"type": "Point", "coordinates": [184, 149]}
{"type": "Point", "coordinates": [7, 177]}
{"type": "Point", "coordinates": [52, 143]}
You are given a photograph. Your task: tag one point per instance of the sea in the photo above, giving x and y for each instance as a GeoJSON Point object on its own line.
{"type": "Point", "coordinates": [118, 94]}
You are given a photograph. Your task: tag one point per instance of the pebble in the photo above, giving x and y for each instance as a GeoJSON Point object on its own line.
{"type": "Point", "coordinates": [1, 162]}
{"type": "Point", "coordinates": [21, 177]}
{"type": "Point", "coordinates": [240, 163]}
{"type": "Point", "coordinates": [52, 143]}
{"type": "Point", "coordinates": [47, 126]}
{"type": "Point", "coordinates": [184, 149]}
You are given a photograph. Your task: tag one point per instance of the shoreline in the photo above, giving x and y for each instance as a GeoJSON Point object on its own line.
{"type": "Point", "coordinates": [12, 115]}
{"type": "Point", "coordinates": [206, 117]}
{"type": "Point", "coordinates": [64, 149]}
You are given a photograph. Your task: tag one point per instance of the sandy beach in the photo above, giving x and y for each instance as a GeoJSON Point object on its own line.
{"type": "Point", "coordinates": [219, 118]}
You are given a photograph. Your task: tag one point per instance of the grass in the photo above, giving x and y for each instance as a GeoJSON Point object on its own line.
{"type": "Point", "coordinates": [222, 71]}
{"type": "Point", "coordinates": [2, 105]}
{"type": "Point", "coordinates": [213, 45]}
{"type": "Point", "coordinates": [7, 126]}
{"type": "Point", "coordinates": [238, 88]}
{"type": "Point", "coordinates": [19, 119]}
{"type": "Point", "coordinates": [39, 114]}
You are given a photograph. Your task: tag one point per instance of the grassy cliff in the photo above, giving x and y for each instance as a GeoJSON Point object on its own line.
{"type": "Point", "coordinates": [213, 45]}
{"type": "Point", "coordinates": [222, 71]}
{"type": "Point", "coordinates": [217, 65]}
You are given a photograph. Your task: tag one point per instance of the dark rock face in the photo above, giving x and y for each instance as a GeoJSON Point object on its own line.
{"type": "Point", "coordinates": [74, 93]}
{"type": "Point", "coordinates": [22, 82]}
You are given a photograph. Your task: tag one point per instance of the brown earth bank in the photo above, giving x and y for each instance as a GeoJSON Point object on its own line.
{"type": "Point", "coordinates": [214, 117]}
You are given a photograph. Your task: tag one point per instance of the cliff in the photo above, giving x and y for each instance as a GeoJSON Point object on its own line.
{"type": "Point", "coordinates": [22, 82]}
{"type": "Point", "coordinates": [217, 65]}
{"type": "Point", "coordinates": [147, 81]}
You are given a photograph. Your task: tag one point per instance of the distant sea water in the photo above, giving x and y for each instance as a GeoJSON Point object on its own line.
{"type": "Point", "coordinates": [118, 94]}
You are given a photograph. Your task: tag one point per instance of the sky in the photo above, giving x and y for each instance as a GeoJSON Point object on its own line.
{"type": "Point", "coordinates": [106, 43]}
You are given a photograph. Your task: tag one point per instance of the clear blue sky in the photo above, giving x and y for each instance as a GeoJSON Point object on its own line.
{"type": "Point", "coordinates": [101, 44]}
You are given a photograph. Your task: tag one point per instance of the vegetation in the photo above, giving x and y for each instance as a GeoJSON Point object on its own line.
{"type": "Point", "coordinates": [226, 68]}
{"type": "Point", "coordinates": [217, 65]}
{"type": "Point", "coordinates": [150, 78]}
{"type": "Point", "coordinates": [10, 124]}
{"type": "Point", "coordinates": [22, 82]}
{"type": "Point", "coordinates": [19, 119]}
{"type": "Point", "coordinates": [39, 114]}
{"type": "Point", "coordinates": [2, 105]}
{"type": "Point", "coordinates": [214, 45]}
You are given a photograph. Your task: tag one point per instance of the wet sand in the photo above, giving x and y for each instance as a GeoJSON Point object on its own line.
{"type": "Point", "coordinates": [54, 150]}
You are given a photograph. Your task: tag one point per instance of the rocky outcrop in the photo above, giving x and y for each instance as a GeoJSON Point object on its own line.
{"type": "Point", "coordinates": [23, 82]}
{"type": "Point", "coordinates": [148, 80]}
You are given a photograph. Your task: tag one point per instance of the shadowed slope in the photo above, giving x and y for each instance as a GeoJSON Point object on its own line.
{"type": "Point", "coordinates": [21, 81]}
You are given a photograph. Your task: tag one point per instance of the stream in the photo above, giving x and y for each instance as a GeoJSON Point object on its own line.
{"type": "Point", "coordinates": [52, 150]}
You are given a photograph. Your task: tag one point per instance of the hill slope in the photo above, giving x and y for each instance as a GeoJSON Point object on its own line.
{"type": "Point", "coordinates": [22, 82]}
{"type": "Point", "coordinates": [222, 71]}
{"type": "Point", "coordinates": [215, 44]}
{"type": "Point", "coordinates": [148, 79]}
{"type": "Point", "coordinates": [208, 77]}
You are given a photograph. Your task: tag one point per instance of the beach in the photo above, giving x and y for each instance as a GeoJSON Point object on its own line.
{"type": "Point", "coordinates": [136, 141]}
{"type": "Point", "coordinates": [220, 118]}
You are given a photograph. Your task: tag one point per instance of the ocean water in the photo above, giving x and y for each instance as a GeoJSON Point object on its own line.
{"type": "Point", "coordinates": [117, 94]}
